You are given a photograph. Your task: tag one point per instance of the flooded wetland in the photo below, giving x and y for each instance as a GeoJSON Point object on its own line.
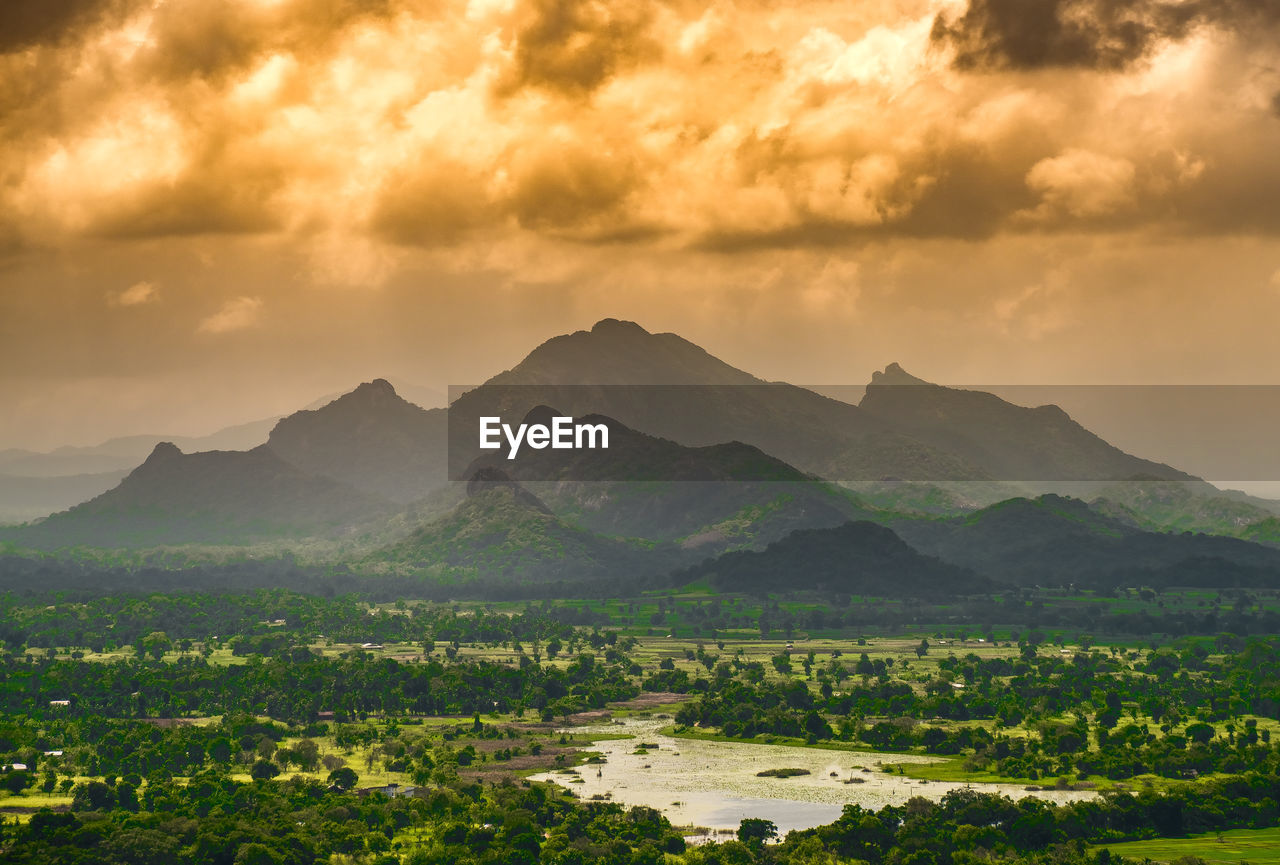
{"type": "Point", "coordinates": [715, 785]}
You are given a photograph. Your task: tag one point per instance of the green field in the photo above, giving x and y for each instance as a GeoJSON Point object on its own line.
{"type": "Point", "coordinates": [1254, 846]}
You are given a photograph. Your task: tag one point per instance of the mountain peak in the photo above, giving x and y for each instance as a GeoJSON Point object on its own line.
{"type": "Point", "coordinates": [617, 326]}
{"type": "Point", "coordinates": [895, 375]}
{"type": "Point", "coordinates": [375, 389]}
{"type": "Point", "coordinates": [162, 452]}
{"type": "Point", "coordinates": [618, 352]}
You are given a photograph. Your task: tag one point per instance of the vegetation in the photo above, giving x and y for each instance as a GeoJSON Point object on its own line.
{"type": "Point", "coordinates": [276, 726]}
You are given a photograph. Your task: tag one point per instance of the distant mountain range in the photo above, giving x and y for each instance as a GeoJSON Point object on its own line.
{"type": "Point", "coordinates": [856, 558]}
{"type": "Point", "coordinates": [711, 473]}
{"type": "Point", "coordinates": [1052, 541]}
{"type": "Point", "coordinates": [216, 497]}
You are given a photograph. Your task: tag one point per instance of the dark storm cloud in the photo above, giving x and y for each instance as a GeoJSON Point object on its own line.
{"type": "Point", "coordinates": [209, 39]}
{"type": "Point", "coordinates": [434, 202]}
{"type": "Point", "coordinates": [221, 191]}
{"type": "Point", "coordinates": [574, 46]}
{"type": "Point", "coordinates": [1094, 34]}
{"type": "Point", "coordinates": [561, 189]}
{"type": "Point", "coordinates": [26, 23]}
{"type": "Point", "coordinates": [570, 188]}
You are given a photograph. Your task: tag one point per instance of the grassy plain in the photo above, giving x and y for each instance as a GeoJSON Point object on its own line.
{"type": "Point", "coordinates": [1252, 846]}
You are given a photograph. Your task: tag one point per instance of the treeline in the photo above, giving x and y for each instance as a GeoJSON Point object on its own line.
{"type": "Point", "coordinates": [216, 820]}
{"type": "Point", "coordinates": [1179, 693]}
{"type": "Point", "coordinates": [101, 624]}
{"type": "Point", "coordinates": [1024, 609]}
{"type": "Point", "coordinates": [298, 688]}
{"type": "Point", "coordinates": [967, 823]}
{"type": "Point", "coordinates": [78, 575]}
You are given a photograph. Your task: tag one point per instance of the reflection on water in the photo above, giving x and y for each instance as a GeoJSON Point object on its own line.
{"type": "Point", "coordinates": [714, 784]}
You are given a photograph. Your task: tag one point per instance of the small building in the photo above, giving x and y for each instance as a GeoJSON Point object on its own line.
{"type": "Point", "coordinates": [16, 767]}
{"type": "Point", "coordinates": [53, 753]}
{"type": "Point", "coordinates": [371, 645]}
{"type": "Point", "coordinates": [59, 702]}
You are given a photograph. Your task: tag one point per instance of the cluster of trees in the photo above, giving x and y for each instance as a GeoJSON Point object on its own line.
{"type": "Point", "coordinates": [88, 572]}
{"type": "Point", "coordinates": [300, 687]}
{"type": "Point", "coordinates": [1234, 611]}
{"type": "Point", "coordinates": [967, 823]}
{"type": "Point", "coordinates": [216, 819]}
{"type": "Point", "coordinates": [101, 624]}
{"type": "Point", "coordinates": [1180, 692]}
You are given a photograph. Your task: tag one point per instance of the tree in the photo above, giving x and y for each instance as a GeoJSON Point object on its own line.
{"type": "Point", "coordinates": [755, 830]}
{"type": "Point", "coordinates": [93, 796]}
{"type": "Point", "coordinates": [264, 770]}
{"type": "Point", "coordinates": [220, 750]}
{"type": "Point", "coordinates": [306, 754]}
{"type": "Point", "coordinates": [344, 778]}
{"type": "Point", "coordinates": [922, 649]}
{"type": "Point", "coordinates": [156, 644]}
{"type": "Point", "coordinates": [16, 782]}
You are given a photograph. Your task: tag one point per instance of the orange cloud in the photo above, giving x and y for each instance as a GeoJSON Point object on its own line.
{"type": "Point", "coordinates": [236, 314]}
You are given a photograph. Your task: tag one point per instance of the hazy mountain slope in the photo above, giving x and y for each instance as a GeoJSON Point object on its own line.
{"type": "Point", "coordinates": [212, 497]}
{"type": "Point", "coordinates": [856, 558]}
{"type": "Point", "coordinates": [503, 532]}
{"type": "Point", "coordinates": [642, 486]}
{"type": "Point", "coordinates": [1174, 506]}
{"type": "Point", "coordinates": [371, 439]}
{"type": "Point", "coordinates": [1058, 541]}
{"type": "Point", "coordinates": [1007, 441]}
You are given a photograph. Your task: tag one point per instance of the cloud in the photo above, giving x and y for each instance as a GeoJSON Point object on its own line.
{"type": "Point", "coordinates": [135, 295]}
{"type": "Point", "coordinates": [236, 314]}
{"type": "Point", "coordinates": [1094, 34]}
{"type": "Point", "coordinates": [469, 123]}
{"type": "Point", "coordinates": [574, 46]}
{"type": "Point", "coordinates": [1082, 184]}
{"type": "Point", "coordinates": [25, 23]}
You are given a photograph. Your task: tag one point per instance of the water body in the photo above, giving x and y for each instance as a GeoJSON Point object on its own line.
{"type": "Point", "coordinates": [714, 784]}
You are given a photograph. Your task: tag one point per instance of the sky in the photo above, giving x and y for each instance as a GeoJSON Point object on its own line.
{"type": "Point", "coordinates": [213, 211]}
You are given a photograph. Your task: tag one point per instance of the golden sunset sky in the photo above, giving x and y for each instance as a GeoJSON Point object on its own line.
{"type": "Point", "coordinates": [213, 211]}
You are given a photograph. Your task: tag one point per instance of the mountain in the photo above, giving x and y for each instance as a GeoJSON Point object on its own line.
{"type": "Point", "coordinates": [1172, 506]}
{"type": "Point", "coordinates": [371, 439]}
{"type": "Point", "coordinates": [503, 533]}
{"type": "Point", "coordinates": [642, 486]}
{"type": "Point", "coordinates": [666, 386]}
{"type": "Point", "coordinates": [1006, 441]}
{"type": "Point", "coordinates": [1053, 541]}
{"type": "Point", "coordinates": [856, 558]}
{"type": "Point", "coordinates": [213, 497]}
